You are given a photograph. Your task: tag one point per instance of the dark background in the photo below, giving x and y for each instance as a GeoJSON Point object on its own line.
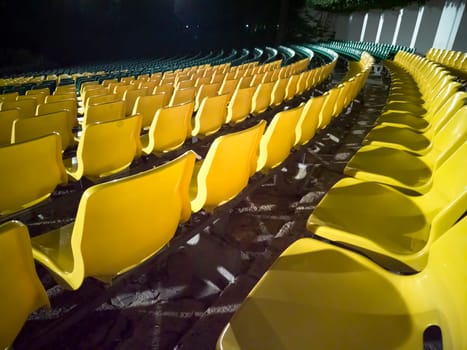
{"type": "Point", "coordinates": [68, 32]}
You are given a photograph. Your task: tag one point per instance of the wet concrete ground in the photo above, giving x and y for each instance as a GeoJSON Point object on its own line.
{"type": "Point", "coordinates": [182, 298]}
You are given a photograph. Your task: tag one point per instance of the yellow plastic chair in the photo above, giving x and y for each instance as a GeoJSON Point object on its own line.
{"type": "Point", "coordinates": [22, 291]}
{"type": "Point", "coordinates": [278, 91]}
{"type": "Point", "coordinates": [119, 224]}
{"type": "Point", "coordinates": [319, 296]}
{"type": "Point", "coordinates": [26, 108]}
{"type": "Point", "coordinates": [30, 172]}
{"type": "Point", "coordinates": [31, 128]}
{"type": "Point", "coordinates": [239, 107]}
{"type": "Point", "coordinates": [130, 97]}
{"type": "Point", "coordinates": [327, 109]}
{"type": "Point", "coordinates": [10, 96]}
{"type": "Point", "coordinates": [388, 225]}
{"type": "Point", "coordinates": [308, 122]}
{"type": "Point", "coordinates": [291, 88]}
{"type": "Point", "coordinates": [228, 87]}
{"type": "Point", "coordinates": [278, 139]}
{"type": "Point", "coordinates": [411, 139]}
{"type": "Point", "coordinates": [181, 96]}
{"type": "Point", "coordinates": [406, 170]}
{"type": "Point", "coordinates": [206, 90]}
{"type": "Point", "coordinates": [170, 127]}
{"type": "Point", "coordinates": [211, 115]}
{"type": "Point", "coordinates": [6, 124]}
{"type": "Point", "coordinates": [225, 170]}
{"type": "Point", "coordinates": [147, 106]}
{"type": "Point", "coordinates": [104, 112]}
{"type": "Point", "coordinates": [262, 98]}
{"type": "Point", "coordinates": [52, 107]}
{"type": "Point", "coordinates": [106, 148]}
{"type": "Point", "coordinates": [60, 97]}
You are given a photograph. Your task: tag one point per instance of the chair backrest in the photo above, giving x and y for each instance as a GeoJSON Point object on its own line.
{"type": "Point", "coordinates": [31, 128]}
{"type": "Point", "coordinates": [450, 137]}
{"type": "Point", "coordinates": [228, 87]}
{"type": "Point", "coordinates": [446, 111]}
{"type": "Point", "coordinates": [6, 124]}
{"type": "Point", "coordinates": [291, 88]}
{"type": "Point", "coordinates": [130, 97]}
{"type": "Point", "coordinates": [327, 109]}
{"type": "Point", "coordinates": [278, 91]}
{"type": "Point", "coordinates": [447, 280]}
{"type": "Point", "coordinates": [239, 107]}
{"type": "Point", "coordinates": [31, 171]}
{"type": "Point", "coordinates": [225, 171]}
{"type": "Point", "coordinates": [183, 95]}
{"type": "Point", "coordinates": [170, 127]}
{"type": "Point", "coordinates": [147, 106]}
{"type": "Point", "coordinates": [211, 115]}
{"type": "Point", "coordinates": [120, 224]}
{"type": "Point", "coordinates": [107, 148]}
{"type": "Point", "coordinates": [206, 90]}
{"type": "Point", "coordinates": [262, 97]}
{"type": "Point", "coordinates": [104, 112]}
{"type": "Point", "coordinates": [278, 139]}
{"type": "Point", "coordinates": [26, 108]}
{"type": "Point", "coordinates": [22, 291]}
{"type": "Point", "coordinates": [61, 97]}
{"type": "Point", "coordinates": [308, 121]}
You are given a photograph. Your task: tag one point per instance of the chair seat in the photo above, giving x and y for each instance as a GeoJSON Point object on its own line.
{"type": "Point", "coordinates": [317, 296]}
{"type": "Point", "coordinates": [400, 138]}
{"type": "Point", "coordinates": [357, 208]}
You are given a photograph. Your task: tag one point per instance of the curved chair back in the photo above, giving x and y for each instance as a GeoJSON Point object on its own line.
{"type": "Point", "coordinates": [147, 106]}
{"type": "Point", "coordinates": [182, 95]}
{"type": "Point", "coordinates": [206, 90]}
{"type": "Point", "coordinates": [169, 129]}
{"type": "Point", "coordinates": [262, 98]}
{"type": "Point", "coordinates": [31, 171]}
{"type": "Point", "coordinates": [26, 108]}
{"type": "Point", "coordinates": [278, 139]}
{"type": "Point", "coordinates": [31, 128]}
{"type": "Point", "coordinates": [6, 125]}
{"type": "Point", "coordinates": [130, 97]}
{"type": "Point", "coordinates": [211, 115]}
{"type": "Point", "coordinates": [239, 107]}
{"type": "Point", "coordinates": [119, 224]}
{"type": "Point", "coordinates": [22, 291]}
{"type": "Point", "coordinates": [106, 148]}
{"type": "Point", "coordinates": [278, 91]}
{"type": "Point", "coordinates": [225, 171]}
{"type": "Point", "coordinates": [308, 121]}
{"type": "Point", "coordinates": [104, 112]}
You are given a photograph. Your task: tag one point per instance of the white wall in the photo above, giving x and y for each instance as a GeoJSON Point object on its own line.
{"type": "Point", "coordinates": [439, 23]}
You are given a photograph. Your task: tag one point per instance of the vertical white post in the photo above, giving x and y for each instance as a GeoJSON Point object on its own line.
{"type": "Point", "coordinates": [365, 21]}
{"type": "Point", "coordinates": [398, 27]}
{"type": "Point", "coordinates": [417, 26]}
{"type": "Point", "coordinates": [380, 27]}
